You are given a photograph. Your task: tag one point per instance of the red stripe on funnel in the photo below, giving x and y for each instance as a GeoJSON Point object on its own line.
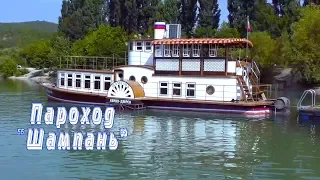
{"type": "Point", "coordinates": [159, 26]}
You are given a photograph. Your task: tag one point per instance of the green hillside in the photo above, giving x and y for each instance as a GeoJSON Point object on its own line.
{"type": "Point", "coordinates": [23, 33]}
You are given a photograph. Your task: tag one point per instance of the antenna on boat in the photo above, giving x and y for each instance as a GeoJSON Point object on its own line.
{"type": "Point", "coordinates": [139, 36]}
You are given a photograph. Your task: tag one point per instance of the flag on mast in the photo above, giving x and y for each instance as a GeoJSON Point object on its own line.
{"type": "Point", "coordinates": [248, 25]}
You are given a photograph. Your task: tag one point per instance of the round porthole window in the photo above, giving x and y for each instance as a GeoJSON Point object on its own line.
{"type": "Point", "coordinates": [144, 79]}
{"type": "Point", "coordinates": [132, 78]}
{"type": "Point", "coordinates": [120, 75]}
{"type": "Point", "coordinates": [210, 90]}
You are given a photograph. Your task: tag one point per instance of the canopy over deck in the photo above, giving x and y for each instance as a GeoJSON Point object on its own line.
{"type": "Point", "coordinates": [218, 41]}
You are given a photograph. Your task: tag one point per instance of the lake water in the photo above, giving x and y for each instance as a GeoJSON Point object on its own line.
{"type": "Point", "coordinates": [163, 145]}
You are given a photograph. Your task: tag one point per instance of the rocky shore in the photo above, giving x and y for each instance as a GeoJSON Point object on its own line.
{"type": "Point", "coordinates": [35, 75]}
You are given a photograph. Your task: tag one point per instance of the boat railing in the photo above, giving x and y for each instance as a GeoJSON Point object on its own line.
{"type": "Point", "coordinates": [305, 93]}
{"type": "Point", "coordinates": [257, 79]}
{"type": "Point", "coordinates": [153, 89]}
{"type": "Point", "coordinates": [92, 62]}
{"type": "Point", "coordinates": [256, 71]}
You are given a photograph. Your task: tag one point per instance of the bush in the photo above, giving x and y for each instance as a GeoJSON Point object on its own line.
{"type": "Point", "coordinates": [8, 68]}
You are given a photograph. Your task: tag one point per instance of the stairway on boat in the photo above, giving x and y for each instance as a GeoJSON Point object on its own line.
{"type": "Point", "coordinates": [249, 82]}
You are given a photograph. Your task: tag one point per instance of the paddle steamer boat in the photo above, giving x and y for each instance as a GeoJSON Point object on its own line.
{"type": "Point", "coordinates": [169, 72]}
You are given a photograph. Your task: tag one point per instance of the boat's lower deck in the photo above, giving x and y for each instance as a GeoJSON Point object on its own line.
{"type": "Point", "coordinates": [242, 107]}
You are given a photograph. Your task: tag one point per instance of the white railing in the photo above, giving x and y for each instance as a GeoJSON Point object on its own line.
{"type": "Point", "coordinates": [92, 62]}
{"type": "Point", "coordinates": [254, 68]}
{"type": "Point", "coordinates": [255, 65]}
{"type": "Point", "coordinates": [313, 98]}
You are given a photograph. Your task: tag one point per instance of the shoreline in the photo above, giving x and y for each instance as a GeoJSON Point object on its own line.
{"type": "Point", "coordinates": [37, 79]}
{"type": "Point", "coordinates": [35, 75]}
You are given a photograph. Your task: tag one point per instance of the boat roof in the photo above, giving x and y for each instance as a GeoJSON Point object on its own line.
{"type": "Point", "coordinates": [242, 42]}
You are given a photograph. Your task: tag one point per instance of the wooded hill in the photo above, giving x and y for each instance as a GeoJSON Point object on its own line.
{"type": "Point", "coordinates": [23, 33]}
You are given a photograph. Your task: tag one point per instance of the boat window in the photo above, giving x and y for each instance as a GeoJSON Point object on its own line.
{"type": "Point", "coordinates": [132, 78]}
{"type": "Point", "coordinates": [205, 50]}
{"type": "Point", "coordinates": [175, 50]}
{"type": "Point", "coordinates": [167, 50]}
{"type": "Point", "coordinates": [148, 46]}
{"type": "Point", "coordinates": [139, 45]}
{"type": "Point", "coordinates": [78, 80]}
{"type": "Point", "coordinates": [62, 78]}
{"type": "Point", "coordinates": [191, 88]}
{"type": "Point", "coordinates": [158, 51]}
{"type": "Point", "coordinates": [87, 82]}
{"type": "Point", "coordinates": [130, 46]}
{"type": "Point", "coordinates": [144, 80]}
{"type": "Point", "coordinates": [69, 80]}
{"type": "Point", "coordinates": [107, 83]}
{"type": "Point", "coordinates": [212, 50]}
{"type": "Point", "coordinates": [196, 50]}
{"type": "Point", "coordinates": [176, 89]}
{"type": "Point", "coordinates": [210, 90]}
{"type": "Point", "coordinates": [186, 50]}
{"type": "Point", "coordinates": [163, 88]}
{"type": "Point", "coordinates": [120, 75]}
{"type": "Point", "coordinates": [97, 82]}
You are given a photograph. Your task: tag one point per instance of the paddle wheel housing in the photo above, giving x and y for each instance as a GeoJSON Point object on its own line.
{"type": "Point", "coordinates": [126, 90]}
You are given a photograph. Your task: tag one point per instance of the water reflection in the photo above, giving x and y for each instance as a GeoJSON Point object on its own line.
{"type": "Point", "coordinates": [14, 86]}
{"type": "Point", "coordinates": [164, 145]}
{"type": "Point", "coordinates": [138, 127]}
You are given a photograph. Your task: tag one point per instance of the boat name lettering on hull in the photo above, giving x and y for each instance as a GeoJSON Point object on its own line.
{"type": "Point", "coordinates": [120, 101]}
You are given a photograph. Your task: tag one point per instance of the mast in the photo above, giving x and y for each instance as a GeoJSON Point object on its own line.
{"type": "Point", "coordinates": [248, 29]}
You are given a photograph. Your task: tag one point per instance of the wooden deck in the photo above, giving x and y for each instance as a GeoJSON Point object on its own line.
{"type": "Point", "coordinates": [227, 103]}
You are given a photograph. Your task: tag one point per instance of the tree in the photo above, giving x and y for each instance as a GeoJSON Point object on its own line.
{"type": "Point", "coordinates": [308, 2]}
{"type": "Point", "coordinates": [209, 14]}
{"type": "Point", "coordinates": [146, 14]}
{"type": "Point", "coordinates": [131, 18]}
{"type": "Point", "coordinates": [283, 50]}
{"type": "Point", "coordinates": [80, 16]}
{"type": "Point", "coordinates": [59, 46]}
{"type": "Point", "coordinates": [263, 49]}
{"type": "Point", "coordinates": [305, 44]}
{"type": "Point", "coordinates": [266, 19]}
{"type": "Point", "coordinates": [238, 12]}
{"type": "Point", "coordinates": [168, 11]}
{"type": "Point", "coordinates": [36, 54]}
{"type": "Point", "coordinates": [205, 32]}
{"type": "Point", "coordinates": [225, 31]}
{"type": "Point", "coordinates": [114, 13]}
{"type": "Point", "coordinates": [187, 18]}
{"type": "Point", "coordinates": [134, 16]}
{"type": "Point", "coordinates": [290, 13]}
{"type": "Point", "coordinates": [106, 41]}
{"type": "Point", "coordinates": [262, 16]}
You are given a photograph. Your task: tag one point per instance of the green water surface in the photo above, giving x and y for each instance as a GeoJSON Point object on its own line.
{"type": "Point", "coordinates": [162, 145]}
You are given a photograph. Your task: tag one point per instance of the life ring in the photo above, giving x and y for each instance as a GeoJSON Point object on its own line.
{"type": "Point", "coordinates": [243, 73]}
